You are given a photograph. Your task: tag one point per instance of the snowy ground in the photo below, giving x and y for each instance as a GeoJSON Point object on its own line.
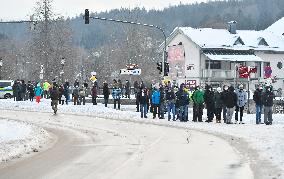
{"type": "Point", "coordinates": [18, 138]}
{"type": "Point", "coordinates": [266, 140]}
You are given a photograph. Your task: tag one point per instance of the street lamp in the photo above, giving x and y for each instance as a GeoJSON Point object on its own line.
{"type": "Point", "coordinates": [62, 67]}
{"type": "Point", "coordinates": [1, 64]}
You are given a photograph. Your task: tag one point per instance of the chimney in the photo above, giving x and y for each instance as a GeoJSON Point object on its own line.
{"type": "Point", "coordinates": [232, 27]}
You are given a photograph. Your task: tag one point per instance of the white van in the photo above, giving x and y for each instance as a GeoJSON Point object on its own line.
{"type": "Point", "coordinates": [6, 90]}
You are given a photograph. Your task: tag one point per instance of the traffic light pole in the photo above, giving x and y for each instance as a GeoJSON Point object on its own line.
{"type": "Point", "coordinates": [140, 24]}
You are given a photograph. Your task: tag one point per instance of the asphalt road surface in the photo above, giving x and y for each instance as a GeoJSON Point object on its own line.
{"type": "Point", "coordinates": [96, 148]}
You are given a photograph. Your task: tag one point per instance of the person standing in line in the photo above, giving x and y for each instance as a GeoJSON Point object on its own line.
{"type": "Point", "coordinates": [136, 91]}
{"type": "Point", "coordinates": [23, 90]}
{"type": "Point", "coordinates": [230, 102]}
{"type": "Point", "coordinates": [162, 103]}
{"type": "Point", "coordinates": [106, 93]}
{"type": "Point", "coordinates": [257, 97]}
{"type": "Point", "coordinates": [144, 102]}
{"type": "Point", "coordinates": [94, 94]}
{"type": "Point", "coordinates": [170, 98]}
{"type": "Point", "coordinates": [209, 102]}
{"type": "Point", "coordinates": [82, 95]}
{"type": "Point", "coordinates": [38, 92]}
{"type": "Point", "coordinates": [54, 96]}
{"type": "Point", "coordinates": [218, 104]}
{"type": "Point", "coordinates": [241, 102]}
{"type": "Point", "coordinates": [61, 95]}
{"type": "Point", "coordinates": [75, 95]}
{"type": "Point", "coordinates": [66, 92]}
{"type": "Point", "coordinates": [18, 91]}
{"type": "Point", "coordinates": [198, 99]}
{"type": "Point", "coordinates": [223, 98]}
{"type": "Point", "coordinates": [155, 102]}
{"type": "Point", "coordinates": [116, 95]}
{"type": "Point", "coordinates": [31, 91]}
{"type": "Point", "coordinates": [46, 87]}
{"type": "Point", "coordinates": [268, 97]}
{"type": "Point", "coordinates": [127, 89]}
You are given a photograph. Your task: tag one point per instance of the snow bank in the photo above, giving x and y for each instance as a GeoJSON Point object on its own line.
{"type": "Point", "coordinates": [18, 138]}
{"type": "Point", "coordinates": [267, 140]}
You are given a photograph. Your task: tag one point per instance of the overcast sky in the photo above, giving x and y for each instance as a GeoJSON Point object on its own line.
{"type": "Point", "coordinates": [21, 9]}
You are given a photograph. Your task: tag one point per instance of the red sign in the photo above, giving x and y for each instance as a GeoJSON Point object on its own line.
{"type": "Point", "coordinates": [244, 71]}
{"type": "Point", "coordinates": [267, 72]}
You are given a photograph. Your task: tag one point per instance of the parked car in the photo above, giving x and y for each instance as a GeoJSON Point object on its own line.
{"type": "Point", "coordinates": [6, 90]}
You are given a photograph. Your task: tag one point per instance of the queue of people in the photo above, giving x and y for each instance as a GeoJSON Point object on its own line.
{"type": "Point", "coordinates": [219, 103]}
{"type": "Point", "coordinates": [158, 99]}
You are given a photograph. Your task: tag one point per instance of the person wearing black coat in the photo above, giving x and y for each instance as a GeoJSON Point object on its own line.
{"type": "Point", "coordinates": [162, 102]}
{"type": "Point", "coordinates": [230, 103]}
{"type": "Point", "coordinates": [257, 97]}
{"type": "Point", "coordinates": [181, 102]}
{"type": "Point", "coordinates": [171, 98]}
{"type": "Point", "coordinates": [31, 91]}
{"type": "Point", "coordinates": [106, 93]}
{"type": "Point", "coordinates": [268, 97]}
{"type": "Point", "coordinates": [144, 101]}
{"type": "Point", "coordinates": [223, 98]}
{"type": "Point", "coordinates": [209, 102]}
{"type": "Point", "coordinates": [54, 96]}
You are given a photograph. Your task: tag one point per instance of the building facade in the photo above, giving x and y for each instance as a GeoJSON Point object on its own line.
{"type": "Point", "coordinates": [214, 56]}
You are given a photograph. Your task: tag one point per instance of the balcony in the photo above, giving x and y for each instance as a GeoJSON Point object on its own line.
{"type": "Point", "coordinates": [223, 74]}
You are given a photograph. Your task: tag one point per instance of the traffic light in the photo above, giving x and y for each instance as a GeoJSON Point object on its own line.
{"type": "Point", "coordinates": [166, 69]}
{"type": "Point", "coordinates": [159, 67]}
{"type": "Point", "coordinates": [87, 16]}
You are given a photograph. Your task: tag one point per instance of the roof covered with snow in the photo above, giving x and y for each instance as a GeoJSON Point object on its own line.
{"type": "Point", "coordinates": [242, 40]}
{"type": "Point", "coordinates": [277, 28]}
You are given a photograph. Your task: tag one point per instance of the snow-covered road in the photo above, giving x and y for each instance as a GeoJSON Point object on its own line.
{"type": "Point", "coordinates": [262, 146]}
{"type": "Point", "coordinates": [89, 147]}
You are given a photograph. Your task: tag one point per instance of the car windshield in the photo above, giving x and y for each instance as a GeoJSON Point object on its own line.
{"type": "Point", "coordinates": [5, 84]}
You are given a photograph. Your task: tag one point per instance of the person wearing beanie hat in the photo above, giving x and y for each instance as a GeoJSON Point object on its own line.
{"type": "Point", "coordinates": [258, 99]}
{"type": "Point", "coordinates": [209, 101]}
{"type": "Point", "coordinates": [241, 102]}
{"type": "Point", "coordinates": [218, 104]}
{"type": "Point", "coordinates": [230, 103]}
{"type": "Point", "coordinates": [268, 97]}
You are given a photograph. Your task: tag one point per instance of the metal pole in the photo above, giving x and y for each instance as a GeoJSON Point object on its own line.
{"type": "Point", "coordinates": [248, 89]}
{"type": "Point", "coordinates": [1, 64]}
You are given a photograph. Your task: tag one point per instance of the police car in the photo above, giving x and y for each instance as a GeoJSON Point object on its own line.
{"type": "Point", "coordinates": [6, 90]}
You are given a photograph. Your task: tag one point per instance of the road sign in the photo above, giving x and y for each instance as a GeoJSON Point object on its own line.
{"type": "Point", "coordinates": [130, 72]}
{"type": "Point", "coordinates": [267, 72]}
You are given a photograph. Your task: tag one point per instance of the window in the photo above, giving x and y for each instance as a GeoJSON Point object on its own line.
{"type": "Point", "coordinates": [5, 84]}
{"type": "Point", "coordinates": [239, 41]}
{"type": "Point", "coordinates": [263, 42]}
{"type": "Point", "coordinates": [266, 64]}
{"type": "Point", "coordinates": [214, 64]}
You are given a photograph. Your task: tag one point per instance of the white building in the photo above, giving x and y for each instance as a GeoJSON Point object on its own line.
{"type": "Point", "coordinates": [206, 55]}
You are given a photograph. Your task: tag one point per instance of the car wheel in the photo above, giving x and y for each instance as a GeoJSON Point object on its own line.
{"type": "Point", "coordinates": [6, 96]}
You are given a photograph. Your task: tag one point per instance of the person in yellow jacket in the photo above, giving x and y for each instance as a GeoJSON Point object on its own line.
{"type": "Point", "coordinates": [46, 87]}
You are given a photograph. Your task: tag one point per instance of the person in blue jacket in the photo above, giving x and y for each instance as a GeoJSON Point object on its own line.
{"type": "Point", "coordinates": [38, 92]}
{"type": "Point", "coordinates": [156, 101]}
{"type": "Point", "coordinates": [116, 95]}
